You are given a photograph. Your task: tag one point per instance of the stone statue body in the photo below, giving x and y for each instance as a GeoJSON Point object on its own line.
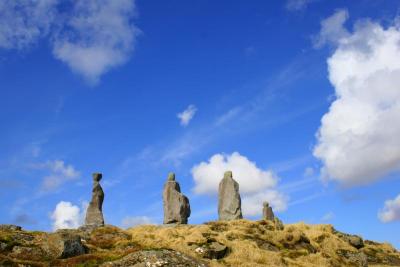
{"type": "Point", "coordinates": [94, 213]}
{"type": "Point", "coordinates": [176, 205]}
{"type": "Point", "coordinates": [268, 214]}
{"type": "Point", "coordinates": [229, 201]}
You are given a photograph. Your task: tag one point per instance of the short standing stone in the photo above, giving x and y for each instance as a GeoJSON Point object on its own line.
{"type": "Point", "coordinates": [229, 202]}
{"type": "Point", "coordinates": [268, 214]}
{"type": "Point", "coordinates": [176, 205]}
{"type": "Point", "coordinates": [94, 213]}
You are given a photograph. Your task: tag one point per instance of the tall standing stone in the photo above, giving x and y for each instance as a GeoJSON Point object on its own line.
{"type": "Point", "coordinates": [268, 214]}
{"type": "Point", "coordinates": [94, 213]}
{"type": "Point", "coordinates": [229, 202]}
{"type": "Point", "coordinates": [176, 205]}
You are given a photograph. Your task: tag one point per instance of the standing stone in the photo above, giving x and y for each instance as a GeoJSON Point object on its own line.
{"type": "Point", "coordinates": [268, 214]}
{"type": "Point", "coordinates": [176, 205]}
{"type": "Point", "coordinates": [94, 213]}
{"type": "Point", "coordinates": [229, 203]}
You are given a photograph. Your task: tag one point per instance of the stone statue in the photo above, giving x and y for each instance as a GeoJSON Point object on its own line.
{"type": "Point", "coordinates": [94, 213]}
{"type": "Point", "coordinates": [268, 214]}
{"type": "Point", "coordinates": [176, 205]}
{"type": "Point", "coordinates": [229, 202]}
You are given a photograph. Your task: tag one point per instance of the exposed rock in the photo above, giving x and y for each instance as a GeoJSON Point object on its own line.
{"type": "Point", "coordinates": [211, 249]}
{"type": "Point", "coordinates": [64, 244]}
{"type": "Point", "coordinates": [176, 205]}
{"type": "Point", "coordinates": [229, 202]}
{"type": "Point", "coordinates": [155, 258]}
{"type": "Point", "coordinates": [94, 213]}
{"type": "Point", "coordinates": [357, 258]}
{"type": "Point", "coordinates": [353, 240]}
{"type": "Point", "coordinates": [268, 214]}
{"type": "Point", "coordinates": [10, 227]}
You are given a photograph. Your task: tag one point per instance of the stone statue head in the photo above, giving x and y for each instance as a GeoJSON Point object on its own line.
{"type": "Point", "coordinates": [265, 204]}
{"type": "Point", "coordinates": [97, 176]}
{"type": "Point", "coordinates": [228, 174]}
{"type": "Point", "coordinates": [171, 176]}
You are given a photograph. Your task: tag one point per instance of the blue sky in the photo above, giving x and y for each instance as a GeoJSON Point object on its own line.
{"type": "Point", "coordinates": [300, 98]}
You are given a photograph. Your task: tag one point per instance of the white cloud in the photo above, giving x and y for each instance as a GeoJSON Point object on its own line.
{"type": "Point", "coordinates": [187, 115]}
{"type": "Point", "coordinates": [332, 29]}
{"type": "Point", "coordinates": [97, 37]}
{"type": "Point", "coordinates": [59, 174]}
{"type": "Point", "coordinates": [23, 22]}
{"type": "Point", "coordinates": [358, 139]}
{"type": "Point", "coordinates": [391, 210]}
{"type": "Point", "coordinates": [256, 185]}
{"type": "Point", "coordinates": [295, 5]}
{"type": "Point", "coordinates": [66, 216]}
{"type": "Point", "coordinates": [133, 221]}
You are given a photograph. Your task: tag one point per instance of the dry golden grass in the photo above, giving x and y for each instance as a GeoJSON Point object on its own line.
{"type": "Point", "coordinates": [250, 243]}
{"type": "Point", "coordinates": [259, 243]}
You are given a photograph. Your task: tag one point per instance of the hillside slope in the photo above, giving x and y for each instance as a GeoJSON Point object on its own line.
{"type": "Point", "coordinates": [234, 243]}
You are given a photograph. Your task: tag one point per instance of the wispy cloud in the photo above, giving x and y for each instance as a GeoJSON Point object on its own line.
{"type": "Point", "coordinates": [97, 36]}
{"type": "Point", "coordinates": [22, 23]}
{"type": "Point", "coordinates": [247, 116]}
{"type": "Point", "coordinates": [58, 174]}
{"type": "Point", "coordinates": [91, 37]}
{"type": "Point", "coordinates": [187, 115]}
{"type": "Point", "coordinates": [328, 217]}
{"type": "Point", "coordinates": [296, 5]}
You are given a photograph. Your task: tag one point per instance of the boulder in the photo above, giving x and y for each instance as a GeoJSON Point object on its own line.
{"type": "Point", "coordinates": [176, 205]}
{"type": "Point", "coordinates": [10, 227]}
{"type": "Point", "coordinates": [229, 202]}
{"type": "Point", "coordinates": [156, 258]}
{"type": "Point", "coordinates": [268, 214]}
{"type": "Point", "coordinates": [63, 244]}
{"type": "Point", "coordinates": [94, 213]}
{"type": "Point", "coordinates": [211, 249]}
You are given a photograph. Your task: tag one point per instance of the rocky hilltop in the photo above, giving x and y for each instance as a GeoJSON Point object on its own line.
{"type": "Point", "coordinates": [221, 243]}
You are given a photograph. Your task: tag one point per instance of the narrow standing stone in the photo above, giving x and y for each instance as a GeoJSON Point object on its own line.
{"type": "Point", "coordinates": [94, 213]}
{"type": "Point", "coordinates": [176, 205]}
{"type": "Point", "coordinates": [268, 214]}
{"type": "Point", "coordinates": [229, 202]}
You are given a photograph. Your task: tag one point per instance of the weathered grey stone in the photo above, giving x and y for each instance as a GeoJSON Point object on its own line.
{"type": "Point", "coordinates": [94, 213]}
{"type": "Point", "coordinates": [10, 227]}
{"type": "Point", "coordinates": [268, 214]}
{"type": "Point", "coordinates": [160, 257]}
{"type": "Point", "coordinates": [64, 244]}
{"type": "Point", "coordinates": [176, 205]}
{"type": "Point", "coordinates": [211, 249]}
{"type": "Point", "coordinates": [229, 202]}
